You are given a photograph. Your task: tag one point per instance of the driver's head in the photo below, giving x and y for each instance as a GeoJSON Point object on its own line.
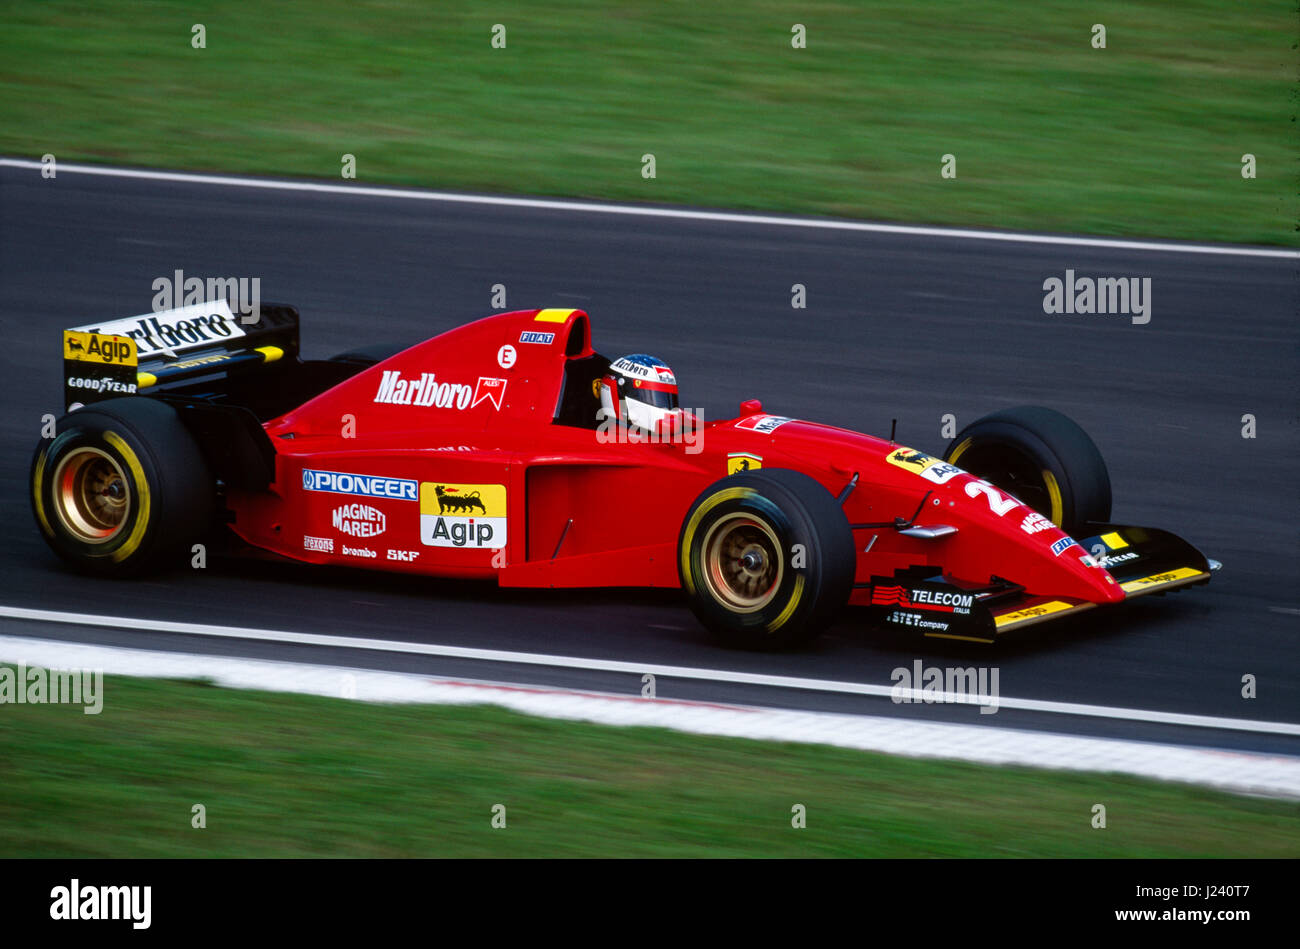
{"type": "Point", "coordinates": [640, 390]}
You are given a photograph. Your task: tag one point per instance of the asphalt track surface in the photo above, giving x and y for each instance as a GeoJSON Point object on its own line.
{"type": "Point", "coordinates": [896, 326]}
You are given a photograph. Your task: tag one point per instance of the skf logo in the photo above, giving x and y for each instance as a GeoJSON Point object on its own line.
{"type": "Point", "coordinates": [463, 515]}
{"type": "Point", "coordinates": [93, 347]}
{"type": "Point", "coordinates": [743, 461]}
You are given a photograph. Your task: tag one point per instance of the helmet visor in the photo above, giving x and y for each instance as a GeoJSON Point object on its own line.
{"type": "Point", "coordinates": [658, 394]}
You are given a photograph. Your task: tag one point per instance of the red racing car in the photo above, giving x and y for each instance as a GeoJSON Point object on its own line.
{"type": "Point", "coordinates": [497, 451]}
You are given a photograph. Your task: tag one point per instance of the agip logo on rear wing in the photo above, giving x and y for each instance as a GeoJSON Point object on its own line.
{"type": "Point", "coordinates": [136, 354]}
{"type": "Point", "coordinates": [98, 366]}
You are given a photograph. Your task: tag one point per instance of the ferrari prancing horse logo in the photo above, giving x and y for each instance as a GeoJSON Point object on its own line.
{"type": "Point", "coordinates": [742, 461]}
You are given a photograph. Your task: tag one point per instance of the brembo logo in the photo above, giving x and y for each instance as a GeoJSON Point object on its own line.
{"type": "Point", "coordinates": [370, 486]}
{"type": "Point", "coordinates": [359, 520]}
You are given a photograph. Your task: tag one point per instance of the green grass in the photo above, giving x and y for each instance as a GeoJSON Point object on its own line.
{"type": "Point", "coordinates": [1144, 137]}
{"type": "Point", "coordinates": [288, 775]}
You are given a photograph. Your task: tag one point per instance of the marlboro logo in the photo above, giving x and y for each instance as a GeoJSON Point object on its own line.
{"type": "Point", "coordinates": [173, 331]}
{"type": "Point", "coordinates": [424, 391]}
{"type": "Point", "coordinates": [427, 391]}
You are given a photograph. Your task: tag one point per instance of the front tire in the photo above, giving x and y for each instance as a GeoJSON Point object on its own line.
{"type": "Point", "coordinates": [121, 487]}
{"type": "Point", "coordinates": [1041, 457]}
{"type": "Point", "coordinates": [766, 559]}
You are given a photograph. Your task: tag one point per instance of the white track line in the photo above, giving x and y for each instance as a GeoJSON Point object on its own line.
{"type": "Point", "coordinates": [633, 668]}
{"type": "Point", "coordinates": [1240, 772]}
{"type": "Point", "coordinates": [685, 214]}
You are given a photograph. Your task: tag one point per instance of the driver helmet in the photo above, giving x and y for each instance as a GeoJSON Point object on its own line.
{"type": "Point", "coordinates": [640, 391]}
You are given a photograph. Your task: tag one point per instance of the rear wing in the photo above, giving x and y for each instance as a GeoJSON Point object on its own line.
{"type": "Point", "coordinates": [203, 342]}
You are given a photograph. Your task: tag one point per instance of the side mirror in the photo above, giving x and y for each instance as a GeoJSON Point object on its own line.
{"type": "Point", "coordinates": [751, 407]}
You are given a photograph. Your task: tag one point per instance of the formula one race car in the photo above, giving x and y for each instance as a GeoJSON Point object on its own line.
{"type": "Point", "coordinates": [498, 450]}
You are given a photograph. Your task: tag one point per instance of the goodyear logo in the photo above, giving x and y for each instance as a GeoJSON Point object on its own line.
{"type": "Point", "coordinates": [463, 515]}
{"type": "Point", "coordinates": [96, 347]}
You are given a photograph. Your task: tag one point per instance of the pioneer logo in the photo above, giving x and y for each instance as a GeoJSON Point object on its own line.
{"type": "Point", "coordinates": [370, 486]}
{"type": "Point", "coordinates": [359, 520]}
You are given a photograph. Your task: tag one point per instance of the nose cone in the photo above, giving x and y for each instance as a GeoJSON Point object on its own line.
{"type": "Point", "coordinates": [1002, 536]}
{"type": "Point", "coordinates": [1076, 571]}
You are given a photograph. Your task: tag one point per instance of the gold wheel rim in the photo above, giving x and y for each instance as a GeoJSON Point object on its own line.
{"type": "Point", "coordinates": [743, 566]}
{"type": "Point", "coordinates": [91, 495]}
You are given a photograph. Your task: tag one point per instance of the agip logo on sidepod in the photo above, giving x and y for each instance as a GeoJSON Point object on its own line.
{"type": "Point", "coordinates": [463, 515]}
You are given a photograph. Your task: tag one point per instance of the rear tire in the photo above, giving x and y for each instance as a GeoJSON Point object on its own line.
{"type": "Point", "coordinates": [766, 559]}
{"type": "Point", "coordinates": [1043, 458]}
{"type": "Point", "coordinates": [121, 488]}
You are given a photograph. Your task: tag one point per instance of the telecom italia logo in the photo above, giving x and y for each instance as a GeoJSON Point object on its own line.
{"type": "Point", "coordinates": [367, 486]}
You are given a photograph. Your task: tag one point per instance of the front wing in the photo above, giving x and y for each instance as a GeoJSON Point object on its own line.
{"type": "Point", "coordinates": [1142, 560]}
